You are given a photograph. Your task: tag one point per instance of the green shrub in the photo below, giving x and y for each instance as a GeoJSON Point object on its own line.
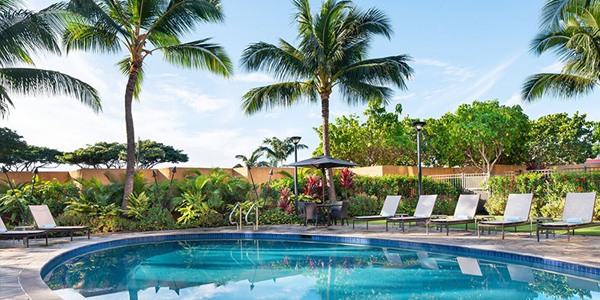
{"type": "Point", "coordinates": [549, 191]}
{"type": "Point", "coordinates": [406, 186]}
{"type": "Point", "coordinates": [209, 220]}
{"type": "Point", "coordinates": [276, 216]}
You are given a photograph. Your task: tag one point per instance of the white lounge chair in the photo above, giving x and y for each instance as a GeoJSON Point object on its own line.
{"type": "Point", "coordinates": [577, 213]}
{"type": "Point", "coordinates": [44, 220]}
{"type": "Point", "coordinates": [516, 214]}
{"type": "Point", "coordinates": [388, 210]}
{"type": "Point", "coordinates": [422, 212]}
{"type": "Point", "coordinates": [463, 214]}
{"type": "Point", "coordinates": [25, 234]}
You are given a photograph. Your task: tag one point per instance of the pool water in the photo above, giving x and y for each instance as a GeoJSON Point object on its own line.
{"type": "Point", "coordinates": [267, 269]}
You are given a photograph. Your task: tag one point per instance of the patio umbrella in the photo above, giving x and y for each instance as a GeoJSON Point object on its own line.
{"type": "Point", "coordinates": [322, 163]}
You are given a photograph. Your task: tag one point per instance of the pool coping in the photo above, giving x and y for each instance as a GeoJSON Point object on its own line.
{"type": "Point", "coordinates": [34, 287]}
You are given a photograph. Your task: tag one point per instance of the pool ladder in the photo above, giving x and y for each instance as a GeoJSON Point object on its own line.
{"type": "Point", "coordinates": [239, 224]}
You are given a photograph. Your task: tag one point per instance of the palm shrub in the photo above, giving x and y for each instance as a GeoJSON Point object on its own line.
{"type": "Point", "coordinates": [138, 205]}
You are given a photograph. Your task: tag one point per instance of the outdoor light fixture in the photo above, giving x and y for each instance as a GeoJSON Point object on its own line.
{"type": "Point", "coordinates": [5, 171]}
{"type": "Point", "coordinates": [170, 184]}
{"type": "Point", "coordinates": [296, 140]}
{"type": "Point", "coordinates": [418, 125]}
{"type": "Point", "coordinates": [35, 175]}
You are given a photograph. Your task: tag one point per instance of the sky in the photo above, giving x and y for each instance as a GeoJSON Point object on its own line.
{"type": "Point", "coordinates": [462, 50]}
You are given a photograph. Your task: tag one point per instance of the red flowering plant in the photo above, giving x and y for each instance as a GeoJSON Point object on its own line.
{"type": "Point", "coordinates": [284, 202]}
{"type": "Point", "coordinates": [314, 187]}
{"type": "Point", "coordinates": [347, 182]}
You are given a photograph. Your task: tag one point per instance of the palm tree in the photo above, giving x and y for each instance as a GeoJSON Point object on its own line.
{"type": "Point", "coordinates": [142, 27]}
{"type": "Point", "coordinates": [252, 161]}
{"type": "Point", "coordinates": [279, 150]}
{"type": "Point", "coordinates": [333, 45]}
{"type": "Point", "coordinates": [571, 29]}
{"type": "Point", "coordinates": [24, 33]}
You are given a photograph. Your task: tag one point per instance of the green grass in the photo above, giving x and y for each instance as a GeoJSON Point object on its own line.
{"type": "Point", "coordinates": [594, 231]}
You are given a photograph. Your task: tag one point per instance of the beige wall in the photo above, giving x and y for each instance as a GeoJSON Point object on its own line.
{"type": "Point", "coordinates": [260, 175]}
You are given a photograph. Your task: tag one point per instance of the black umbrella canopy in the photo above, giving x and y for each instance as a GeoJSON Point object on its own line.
{"type": "Point", "coordinates": [322, 162]}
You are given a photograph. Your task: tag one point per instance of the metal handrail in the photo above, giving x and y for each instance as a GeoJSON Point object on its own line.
{"type": "Point", "coordinates": [248, 213]}
{"type": "Point", "coordinates": [237, 225]}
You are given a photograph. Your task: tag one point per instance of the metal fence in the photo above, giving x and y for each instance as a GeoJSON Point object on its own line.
{"type": "Point", "coordinates": [477, 181]}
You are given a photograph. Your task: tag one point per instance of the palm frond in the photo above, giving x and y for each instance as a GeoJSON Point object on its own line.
{"type": "Point", "coordinates": [125, 68]}
{"type": "Point", "coordinates": [200, 55]}
{"type": "Point", "coordinates": [23, 32]}
{"type": "Point", "coordinates": [5, 103]}
{"type": "Point", "coordinates": [355, 93]}
{"type": "Point", "coordinates": [284, 62]}
{"type": "Point", "coordinates": [380, 71]}
{"type": "Point", "coordinates": [78, 36]}
{"type": "Point", "coordinates": [95, 14]}
{"type": "Point", "coordinates": [44, 82]}
{"type": "Point", "coordinates": [555, 11]}
{"type": "Point", "coordinates": [557, 85]}
{"type": "Point", "coordinates": [278, 95]}
{"type": "Point", "coordinates": [179, 17]}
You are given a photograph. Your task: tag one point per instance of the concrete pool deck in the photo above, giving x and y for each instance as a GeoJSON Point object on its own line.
{"type": "Point", "coordinates": [20, 267]}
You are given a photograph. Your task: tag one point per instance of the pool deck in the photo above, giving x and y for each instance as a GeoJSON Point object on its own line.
{"type": "Point", "coordinates": [20, 267]}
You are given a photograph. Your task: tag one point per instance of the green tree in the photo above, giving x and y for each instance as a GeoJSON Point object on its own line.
{"type": "Point", "coordinates": [11, 142]}
{"type": "Point", "coordinates": [559, 139]}
{"type": "Point", "coordinates": [480, 134]}
{"type": "Point", "coordinates": [253, 160]}
{"type": "Point", "coordinates": [569, 28]}
{"type": "Point", "coordinates": [24, 33]}
{"type": "Point", "coordinates": [380, 140]}
{"type": "Point", "coordinates": [97, 156]}
{"type": "Point", "coordinates": [36, 157]}
{"type": "Point", "coordinates": [150, 153]}
{"type": "Point", "coordinates": [278, 151]}
{"type": "Point", "coordinates": [333, 45]}
{"type": "Point", "coordinates": [143, 27]}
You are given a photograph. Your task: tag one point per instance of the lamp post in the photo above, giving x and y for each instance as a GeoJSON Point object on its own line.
{"type": "Point", "coordinates": [5, 171]}
{"type": "Point", "coordinates": [296, 140]}
{"type": "Point", "coordinates": [418, 125]}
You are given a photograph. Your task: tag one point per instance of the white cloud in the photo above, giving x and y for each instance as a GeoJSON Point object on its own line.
{"type": "Point", "coordinates": [513, 100]}
{"type": "Point", "coordinates": [450, 72]}
{"type": "Point", "coordinates": [409, 96]}
{"type": "Point", "coordinates": [487, 81]}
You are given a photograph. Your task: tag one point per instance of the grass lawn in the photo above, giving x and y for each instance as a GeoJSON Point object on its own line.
{"type": "Point", "coordinates": [583, 231]}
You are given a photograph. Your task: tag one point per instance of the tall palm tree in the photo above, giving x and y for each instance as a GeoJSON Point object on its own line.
{"type": "Point", "coordinates": [333, 45]}
{"type": "Point", "coordinates": [571, 29]}
{"type": "Point", "coordinates": [142, 27]}
{"type": "Point", "coordinates": [23, 33]}
{"type": "Point", "coordinates": [278, 150]}
{"type": "Point", "coordinates": [253, 160]}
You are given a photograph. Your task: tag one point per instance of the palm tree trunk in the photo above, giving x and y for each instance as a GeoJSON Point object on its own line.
{"type": "Point", "coordinates": [130, 169]}
{"type": "Point", "coordinates": [326, 152]}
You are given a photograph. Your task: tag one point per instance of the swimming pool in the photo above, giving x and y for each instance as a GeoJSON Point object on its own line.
{"type": "Point", "coordinates": [296, 267]}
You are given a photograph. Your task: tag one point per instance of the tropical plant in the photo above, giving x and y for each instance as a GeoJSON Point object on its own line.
{"type": "Point", "coordinates": [253, 160]}
{"type": "Point", "coordinates": [27, 160]}
{"type": "Point", "coordinates": [95, 199]}
{"type": "Point", "coordinates": [333, 45]}
{"type": "Point", "coordinates": [138, 205]}
{"type": "Point", "coordinates": [99, 155]}
{"type": "Point", "coordinates": [24, 33]}
{"type": "Point", "coordinates": [278, 150]}
{"type": "Point", "coordinates": [347, 181]}
{"type": "Point", "coordinates": [569, 28]}
{"type": "Point", "coordinates": [150, 153]}
{"type": "Point", "coordinates": [143, 27]}
{"type": "Point", "coordinates": [11, 142]}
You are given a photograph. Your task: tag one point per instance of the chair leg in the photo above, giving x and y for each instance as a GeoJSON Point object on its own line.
{"type": "Point", "coordinates": [478, 231]}
{"type": "Point", "coordinates": [88, 233]}
{"type": "Point", "coordinates": [352, 223]}
{"type": "Point", "coordinates": [447, 230]}
{"type": "Point", "coordinates": [502, 232]}
{"type": "Point", "coordinates": [71, 235]}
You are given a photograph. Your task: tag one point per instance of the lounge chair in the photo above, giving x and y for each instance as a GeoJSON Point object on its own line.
{"type": "Point", "coordinates": [422, 212]}
{"type": "Point", "coordinates": [388, 210]}
{"type": "Point", "coordinates": [516, 214]}
{"type": "Point", "coordinates": [45, 221]}
{"type": "Point", "coordinates": [463, 214]}
{"type": "Point", "coordinates": [25, 234]}
{"type": "Point", "coordinates": [577, 213]}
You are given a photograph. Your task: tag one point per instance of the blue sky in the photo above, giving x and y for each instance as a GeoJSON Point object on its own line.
{"type": "Point", "coordinates": [462, 51]}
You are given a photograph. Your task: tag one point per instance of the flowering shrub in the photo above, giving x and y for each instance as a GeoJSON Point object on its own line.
{"type": "Point", "coordinates": [444, 205]}
{"type": "Point", "coordinates": [364, 205]}
{"type": "Point", "coordinates": [549, 191]}
{"type": "Point", "coordinates": [407, 186]}
{"type": "Point", "coordinates": [346, 182]}
{"type": "Point", "coordinates": [209, 220]}
{"type": "Point", "coordinates": [276, 216]}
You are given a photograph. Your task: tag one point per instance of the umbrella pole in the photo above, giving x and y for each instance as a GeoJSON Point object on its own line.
{"type": "Point", "coordinates": [324, 183]}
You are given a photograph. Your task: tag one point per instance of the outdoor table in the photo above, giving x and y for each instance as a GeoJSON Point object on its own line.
{"type": "Point", "coordinates": [540, 220]}
{"type": "Point", "coordinates": [327, 207]}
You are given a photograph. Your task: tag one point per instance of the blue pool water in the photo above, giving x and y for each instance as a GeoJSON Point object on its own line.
{"type": "Point", "coordinates": [285, 269]}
